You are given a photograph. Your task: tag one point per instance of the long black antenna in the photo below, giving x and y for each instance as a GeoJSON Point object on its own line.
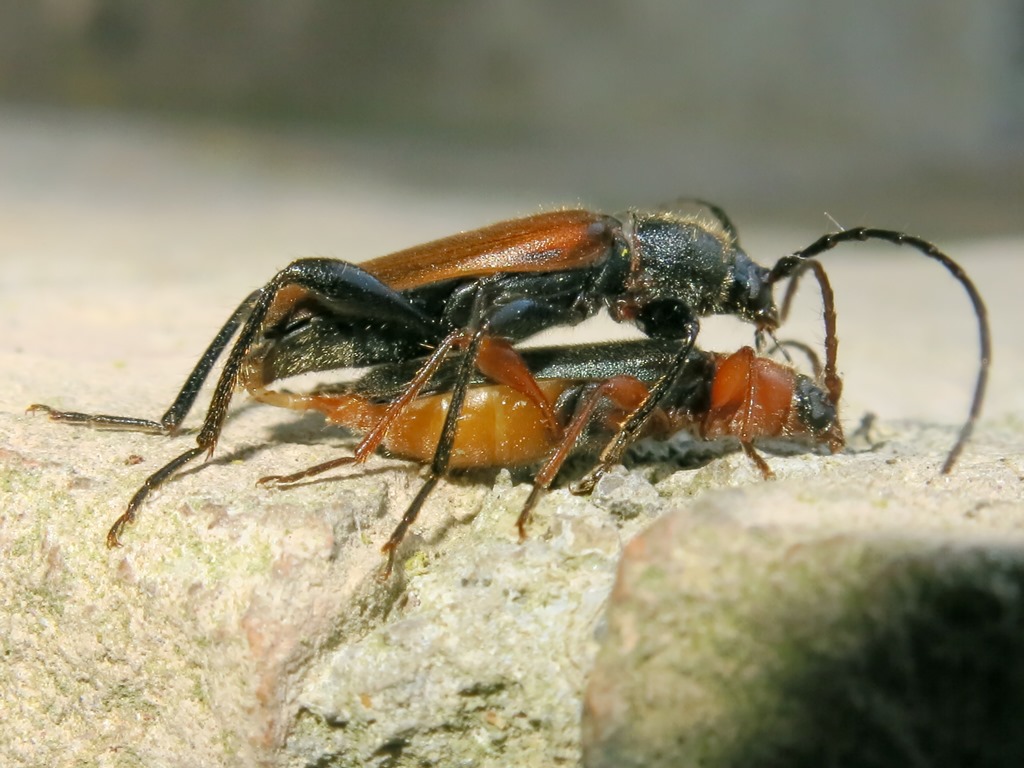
{"type": "Point", "coordinates": [788, 264]}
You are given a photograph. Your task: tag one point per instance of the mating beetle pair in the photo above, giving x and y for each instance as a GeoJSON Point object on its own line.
{"type": "Point", "coordinates": [473, 295]}
{"type": "Point", "coordinates": [592, 389]}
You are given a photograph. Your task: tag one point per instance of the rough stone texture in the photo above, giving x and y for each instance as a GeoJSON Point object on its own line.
{"type": "Point", "coordinates": [241, 626]}
{"type": "Point", "coordinates": [265, 635]}
{"type": "Point", "coordinates": [870, 616]}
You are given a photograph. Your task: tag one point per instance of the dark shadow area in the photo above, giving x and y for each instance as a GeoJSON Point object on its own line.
{"type": "Point", "coordinates": [921, 663]}
{"type": "Point", "coordinates": [934, 676]}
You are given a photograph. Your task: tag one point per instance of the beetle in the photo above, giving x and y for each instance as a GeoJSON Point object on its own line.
{"type": "Point", "coordinates": [478, 292]}
{"type": "Point", "coordinates": [593, 389]}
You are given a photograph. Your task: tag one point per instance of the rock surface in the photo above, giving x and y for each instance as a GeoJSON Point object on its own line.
{"type": "Point", "coordinates": [259, 615]}
{"type": "Point", "coordinates": [243, 626]}
{"type": "Point", "coordinates": [820, 621]}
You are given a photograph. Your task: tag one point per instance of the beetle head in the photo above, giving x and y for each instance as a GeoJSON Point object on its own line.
{"type": "Point", "coordinates": [817, 413]}
{"type": "Point", "coordinates": [754, 397]}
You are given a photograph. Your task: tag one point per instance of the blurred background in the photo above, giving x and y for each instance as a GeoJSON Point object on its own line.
{"type": "Point", "coordinates": [775, 107]}
{"type": "Point", "coordinates": [159, 159]}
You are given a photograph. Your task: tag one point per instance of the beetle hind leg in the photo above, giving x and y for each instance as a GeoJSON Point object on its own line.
{"type": "Point", "coordinates": [103, 421]}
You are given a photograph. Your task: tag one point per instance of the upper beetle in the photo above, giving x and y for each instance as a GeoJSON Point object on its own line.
{"type": "Point", "coordinates": [660, 270]}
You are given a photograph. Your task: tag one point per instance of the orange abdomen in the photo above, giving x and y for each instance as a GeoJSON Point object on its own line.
{"type": "Point", "coordinates": [497, 427]}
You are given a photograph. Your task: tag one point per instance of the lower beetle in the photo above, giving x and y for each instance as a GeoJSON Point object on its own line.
{"type": "Point", "coordinates": [593, 389]}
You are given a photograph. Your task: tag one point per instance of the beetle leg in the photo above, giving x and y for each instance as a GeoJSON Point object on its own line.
{"type": "Point", "coordinates": [510, 369]}
{"type": "Point", "coordinates": [349, 404]}
{"type": "Point", "coordinates": [442, 455]}
{"type": "Point", "coordinates": [499, 360]}
{"type": "Point", "coordinates": [276, 481]}
{"type": "Point", "coordinates": [372, 439]}
{"type": "Point", "coordinates": [186, 397]}
{"type": "Point", "coordinates": [632, 427]}
{"type": "Point", "coordinates": [343, 287]}
{"type": "Point", "coordinates": [102, 420]}
{"type": "Point", "coordinates": [758, 459]}
{"type": "Point", "coordinates": [154, 481]}
{"type": "Point", "coordinates": [626, 393]}
{"type": "Point", "coordinates": [496, 358]}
